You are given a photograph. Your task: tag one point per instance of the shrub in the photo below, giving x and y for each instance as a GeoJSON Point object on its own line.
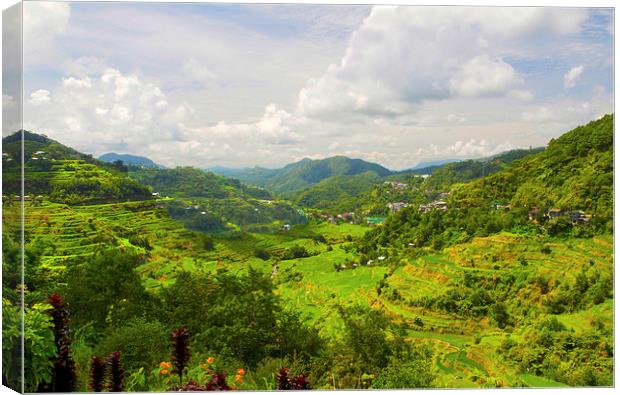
{"type": "Point", "coordinates": [262, 254]}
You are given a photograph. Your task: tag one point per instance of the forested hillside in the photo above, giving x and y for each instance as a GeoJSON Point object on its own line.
{"type": "Point", "coordinates": [485, 274]}
{"type": "Point", "coordinates": [63, 174]}
{"type": "Point", "coordinates": [207, 202]}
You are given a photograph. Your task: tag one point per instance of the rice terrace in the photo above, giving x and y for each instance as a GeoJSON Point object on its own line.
{"type": "Point", "coordinates": [309, 250]}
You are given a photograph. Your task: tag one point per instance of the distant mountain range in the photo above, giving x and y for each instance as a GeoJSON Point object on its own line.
{"type": "Point", "coordinates": [131, 160]}
{"type": "Point", "coordinates": [303, 174]}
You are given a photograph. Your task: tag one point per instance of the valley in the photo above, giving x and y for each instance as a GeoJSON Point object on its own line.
{"type": "Point", "coordinates": [457, 271]}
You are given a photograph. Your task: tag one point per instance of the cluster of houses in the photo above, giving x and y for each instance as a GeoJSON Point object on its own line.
{"type": "Point", "coordinates": [396, 185]}
{"type": "Point", "coordinates": [396, 206]}
{"type": "Point", "coordinates": [436, 205]}
{"type": "Point", "coordinates": [196, 207]}
{"type": "Point", "coordinates": [35, 157]}
{"type": "Point", "coordinates": [334, 219]}
{"type": "Point", "coordinates": [576, 216]}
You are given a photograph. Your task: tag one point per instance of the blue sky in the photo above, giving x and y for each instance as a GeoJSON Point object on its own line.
{"type": "Point", "coordinates": [245, 85]}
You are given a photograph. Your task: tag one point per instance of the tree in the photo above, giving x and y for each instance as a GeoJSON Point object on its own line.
{"type": "Point", "coordinates": [106, 289]}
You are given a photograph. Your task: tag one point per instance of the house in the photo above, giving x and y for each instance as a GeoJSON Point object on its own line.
{"type": "Point", "coordinates": [394, 207]}
{"type": "Point", "coordinates": [436, 205]}
{"type": "Point", "coordinates": [579, 217]}
{"type": "Point", "coordinates": [501, 207]}
{"type": "Point", "coordinates": [156, 194]}
{"type": "Point", "coordinates": [286, 227]}
{"type": "Point", "coordinates": [346, 216]}
{"type": "Point", "coordinates": [443, 195]}
{"type": "Point", "coordinates": [554, 213]}
{"type": "Point", "coordinates": [533, 213]}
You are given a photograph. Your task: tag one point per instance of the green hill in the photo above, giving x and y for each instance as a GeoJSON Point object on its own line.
{"type": "Point", "coordinates": [307, 172]}
{"type": "Point", "coordinates": [207, 202]}
{"type": "Point", "coordinates": [573, 174]}
{"type": "Point", "coordinates": [458, 172]}
{"type": "Point", "coordinates": [337, 193]}
{"type": "Point", "coordinates": [63, 174]}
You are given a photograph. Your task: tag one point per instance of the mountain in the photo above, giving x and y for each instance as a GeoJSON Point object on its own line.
{"type": "Point", "coordinates": [132, 160]}
{"type": "Point", "coordinates": [305, 173]}
{"type": "Point", "coordinates": [63, 174]}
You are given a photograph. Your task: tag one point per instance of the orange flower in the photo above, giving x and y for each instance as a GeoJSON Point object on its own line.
{"type": "Point", "coordinates": [241, 371]}
{"type": "Point", "coordinates": [163, 372]}
{"type": "Point", "coordinates": [210, 360]}
{"type": "Point", "coordinates": [239, 379]}
{"type": "Point", "coordinates": [167, 365]}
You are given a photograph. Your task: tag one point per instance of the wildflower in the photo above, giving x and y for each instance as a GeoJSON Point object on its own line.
{"type": "Point", "coordinates": [210, 360]}
{"type": "Point", "coordinates": [163, 372]}
{"type": "Point", "coordinates": [239, 379]}
{"type": "Point", "coordinates": [97, 373]}
{"type": "Point", "coordinates": [241, 371]}
{"type": "Point", "coordinates": [166, 365]}
{"type": "Point", "coordinates": [116, 372]}
{"type": "Point", "coordinates": [180, 350]}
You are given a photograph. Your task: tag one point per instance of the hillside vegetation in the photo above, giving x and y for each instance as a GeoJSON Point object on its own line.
{"type": "Point", "coordinates": [478, 279]}
{"type": "Point", "coordinates": [64, 175]}
{"type": "Point", "coordinates": [207, 202]}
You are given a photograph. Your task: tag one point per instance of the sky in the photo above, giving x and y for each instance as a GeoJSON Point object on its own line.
{"type": "Point", "coordinates": [266, 85]}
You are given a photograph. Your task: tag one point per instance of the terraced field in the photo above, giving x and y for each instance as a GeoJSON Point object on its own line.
{"type": "Point", "coordinates": [466, 350]}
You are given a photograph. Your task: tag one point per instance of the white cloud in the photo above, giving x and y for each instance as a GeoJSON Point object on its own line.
{"type": "Point", "coordinates": [44, 18]}
{"type": "Point", "coordinates": [41, 96]}
{"type": "Point", "coordinates": [275, 127]}
{"type": "Point", "coordinates": [43, 22]}
{"type": "Point", "coordinates": [105, 113]}
{"type": "Point", "coordinates": [403, 85]}
{"type": "Point", "coordinates": [482, 76]}
{"type": "Point", "coordinates": [199, 71]}
{"type": "Point", "coordinates": [474, 148]}
{"type": "Point", "coordinates": [540, 115]}
{"type": "Point", "coordinates": [571, 77]}
{"type": "Point", "coordinates": [403, 56]}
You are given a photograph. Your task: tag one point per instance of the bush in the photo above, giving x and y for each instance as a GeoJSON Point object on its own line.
{"type": "Point", "coordinates": [141, 343]}
{"type": "Point", "coordinates": [262, 254]}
